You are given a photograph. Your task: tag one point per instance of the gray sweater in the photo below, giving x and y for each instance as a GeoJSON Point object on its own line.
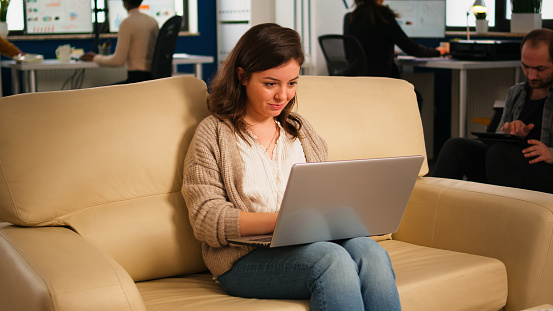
{"type": "Point", "coordinates": [212, 188]}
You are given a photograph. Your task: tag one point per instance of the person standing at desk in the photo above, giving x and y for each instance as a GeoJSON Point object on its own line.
{"type": "Point", "coordinates": [376, 28]}
{"type": "Point", "coordinates": [135, 44]}
{"type": "Point", "coordinates": [528, 113]}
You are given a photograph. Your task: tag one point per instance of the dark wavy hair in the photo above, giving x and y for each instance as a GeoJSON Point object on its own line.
{"type": "Point", "coordinates": [261, 48]}
{"type": "Point", "coordinates": [372, 10]}
{"type": "Point", "coordinates": [540, 36]}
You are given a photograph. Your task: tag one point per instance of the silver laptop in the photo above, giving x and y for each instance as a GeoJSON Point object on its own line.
{"type": "Point", "coordinates": [328, 201]}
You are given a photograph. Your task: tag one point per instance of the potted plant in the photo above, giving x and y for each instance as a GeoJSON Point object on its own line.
{"type": "Point", "coordinates": [3, 14]}
{"type": "Point", "coordinates": [526, 15]}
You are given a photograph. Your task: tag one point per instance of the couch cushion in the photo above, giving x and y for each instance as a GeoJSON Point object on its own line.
{"type": "Point", "coordinates": [435, 279]}
{"type": "Point", "coordinates": [106, 162]}
{"type": "Point", "coordinates": [363, 117]}
{"type": "Point", "coordinates": [199, 292]}
{"type": "Point", "coordinates": [427, 279]}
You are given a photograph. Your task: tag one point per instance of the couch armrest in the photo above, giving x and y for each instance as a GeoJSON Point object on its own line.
{"type": "Point", "coordinates": [512, 225]}
{"type": "Point", "coordinates": [53, 268]}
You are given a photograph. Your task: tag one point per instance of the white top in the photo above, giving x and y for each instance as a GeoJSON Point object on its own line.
{"type": "Point", "coordinates": [265, 178]}
{"type": "Point", "coordinates": [136, 41]}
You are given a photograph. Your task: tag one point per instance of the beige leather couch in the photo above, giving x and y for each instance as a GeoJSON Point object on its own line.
{"type": "Point", "coordinates": [94, 219]}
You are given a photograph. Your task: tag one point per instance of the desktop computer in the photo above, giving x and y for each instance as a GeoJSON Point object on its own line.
{"type": "Point", "coordinates": [485, 49]}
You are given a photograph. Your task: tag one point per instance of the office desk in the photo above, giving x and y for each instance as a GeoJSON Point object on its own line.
{"type": "Point", "coordinates": [463, 67]}
{"type": "Point", "coordinates": [29, 69]}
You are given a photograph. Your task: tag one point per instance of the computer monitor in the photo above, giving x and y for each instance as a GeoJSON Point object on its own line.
{"type": "Point", "coordinates": [456, 13]}
{"type": "Point", "coordinates": [58, 16]}
{"type": "Point", "coordinates": [546, 9]}
{"type": "Point", "coordinates": [420, 18]}
{"type": "Point", "coordinates": [15, 17]}
{"type": "Point", "coordinates": [161, 10]}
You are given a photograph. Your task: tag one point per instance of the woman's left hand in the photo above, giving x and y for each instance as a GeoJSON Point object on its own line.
{"type": "Point", "coordinates": [538, 150]}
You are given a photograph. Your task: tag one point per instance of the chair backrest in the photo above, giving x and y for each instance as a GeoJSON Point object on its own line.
{"type": "Point", "coordinates": [162, 62]}
{"type": "Point", "coordinates": [498, 108]}
{"type": "Point", "coordinates": [344, 55]}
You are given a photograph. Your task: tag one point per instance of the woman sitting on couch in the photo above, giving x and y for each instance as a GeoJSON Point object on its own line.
{"type": "Point", "coordinates": [235, 173]}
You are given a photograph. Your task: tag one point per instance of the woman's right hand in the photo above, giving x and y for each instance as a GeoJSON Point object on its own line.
{"type": "Point", "coordinates": [257, 223]}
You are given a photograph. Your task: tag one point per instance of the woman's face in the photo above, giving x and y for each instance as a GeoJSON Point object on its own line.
{"type": "Point", "coordinates": [270, 91]}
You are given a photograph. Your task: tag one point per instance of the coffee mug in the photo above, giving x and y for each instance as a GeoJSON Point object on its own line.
{"type": "Point", "coordinates": [63, 53]}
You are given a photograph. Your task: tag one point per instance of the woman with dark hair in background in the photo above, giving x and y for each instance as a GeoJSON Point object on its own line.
{"type": "Point", "coordinates": [376, 27]}
{"type": "Point", "coordinates": [235, 172]}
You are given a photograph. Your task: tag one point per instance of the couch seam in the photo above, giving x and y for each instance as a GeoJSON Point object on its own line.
{"type": "Point", "coordinates": [67, 215]}
{"type": "Point", "coordinates": [14, 205]}
{"type": "Point", "coordinates": [542, 274]}
{"type": "Point", "coordinates": [436, 217]}
{"type": "Point", "coordinates": [61, 218]}
{"type": "Point", "coordinates": [491, 194]}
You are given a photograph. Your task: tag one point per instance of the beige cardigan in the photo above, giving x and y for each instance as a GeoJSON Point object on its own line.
{"type": "Point", "coordinates": [212, 188]}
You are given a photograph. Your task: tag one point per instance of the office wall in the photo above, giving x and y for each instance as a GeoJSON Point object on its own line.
{"type": "Point", "coordinates": [326, 18]}
{"type": "Point", "coordinates": [203, 44]}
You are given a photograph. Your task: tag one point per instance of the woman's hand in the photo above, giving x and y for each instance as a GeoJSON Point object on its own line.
{"type": "Point", "coordinates": [257, 223]}
{"type": "Point", "coordinates": [538, 150]}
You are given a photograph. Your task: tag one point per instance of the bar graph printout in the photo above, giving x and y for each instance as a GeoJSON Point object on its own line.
{"type": "Point", "coordinates": [58, 16]}
{"type": "Point", "coordinates": [420, 18]}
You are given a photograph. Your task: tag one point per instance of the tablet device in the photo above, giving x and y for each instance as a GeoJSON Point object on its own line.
{"type": "Point", "coordinates": [499, 137]}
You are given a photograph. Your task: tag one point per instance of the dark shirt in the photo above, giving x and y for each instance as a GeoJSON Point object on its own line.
{"type": "Point", "coordinates": [532, 113]}
{"type": "Point", "coordinates": [378, 40]}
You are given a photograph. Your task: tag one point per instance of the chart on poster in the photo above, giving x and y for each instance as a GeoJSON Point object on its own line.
{"type": "Point", "coordinates": [420, 18]}
{"type": "Point", "coordinates": [58, 16]}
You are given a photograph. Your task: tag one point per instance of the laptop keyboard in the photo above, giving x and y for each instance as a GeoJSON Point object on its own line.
{"type": "Point", "coordinates": [263, 239]}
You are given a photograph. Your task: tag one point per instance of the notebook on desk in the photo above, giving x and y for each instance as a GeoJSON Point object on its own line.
{"type": "Point", "coordinates": [337, 200]}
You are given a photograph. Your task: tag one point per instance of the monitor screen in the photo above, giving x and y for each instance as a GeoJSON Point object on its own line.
{"type": "Point", "coordinates": [456, 13]}
{"type": "Point", "coordinates": [546, 9]}
{"type": "Point", "coordinates": [58, 16]}
{"type": "Point", "coordinates": [161, 10]}
{"type": "Point", "coordinates": [15, 17]}
{"type": "Point", "coordinates": [420, 18]}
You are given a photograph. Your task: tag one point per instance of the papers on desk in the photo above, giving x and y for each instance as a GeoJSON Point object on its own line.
{"type": "Point", "coordinates": [28, 58]}
{"type": "Point", "coordinates": [408, 58]}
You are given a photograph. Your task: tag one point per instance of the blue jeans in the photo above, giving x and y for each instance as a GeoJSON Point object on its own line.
{"type": "Point", "coordinates": [353, 274]}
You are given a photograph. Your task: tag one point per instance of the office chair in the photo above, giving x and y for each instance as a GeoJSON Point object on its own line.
{"type": "Point", "coordinates": [492, 123]}
{"type": "Point", "coordinates": [162, 62]}
{"type": "Point", "coordinates": [344, 55]}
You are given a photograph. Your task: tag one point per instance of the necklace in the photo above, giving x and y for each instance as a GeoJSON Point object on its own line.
{"type": "Point", "coordinates": [272, 139]}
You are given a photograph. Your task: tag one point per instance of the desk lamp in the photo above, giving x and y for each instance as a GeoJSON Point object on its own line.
{"type": "Point", "coordinates": [477, 7]}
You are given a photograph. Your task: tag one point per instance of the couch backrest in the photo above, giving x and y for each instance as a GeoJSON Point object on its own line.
{"type": "Point", "coordinates": [106, 162]}
{"type": "Point", "coordinates": [363, 117]}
